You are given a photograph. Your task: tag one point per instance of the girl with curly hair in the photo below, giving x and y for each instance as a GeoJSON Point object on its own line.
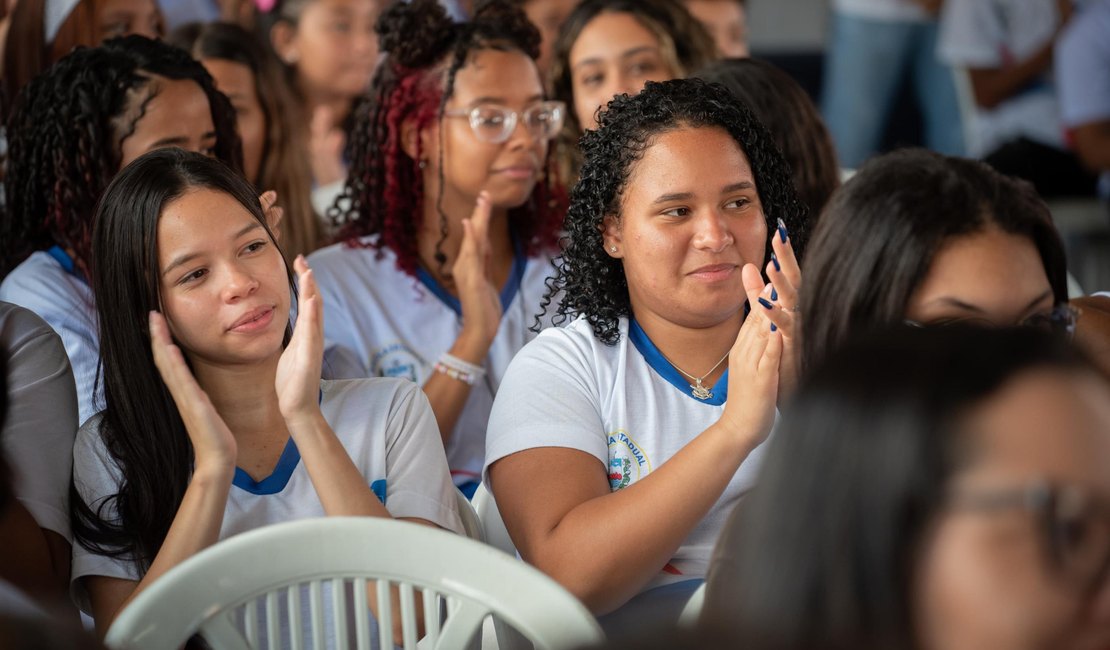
{"type": "Point", "coordinates": [449, 219]}
{"type": "Point", "coordinates": [608, 47]}
{"type": "Point", "coordinates": [216, 420]}
{"type": "Point", "coordinates": [72, 130]}
{"type": "Point", "coordinates": [619, 443]}
{"type": "Point", "coordinates": [269, 122]}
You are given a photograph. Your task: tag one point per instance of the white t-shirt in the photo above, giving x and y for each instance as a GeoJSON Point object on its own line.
{"type": "Point", "coordinates": [623, 404]}
{"type": "Point", "coordinates": [46, 284]}
{"type": "Point", "coordinates": [387, 428]}
{"type": "Point", "coordinates": [381, 322]}
{"type": "Point", "coordinates": [997, 34]}
{"type": "Point", "coordinates": [884, 10]}
{"type": "Point", "coordinates": [41, 421]}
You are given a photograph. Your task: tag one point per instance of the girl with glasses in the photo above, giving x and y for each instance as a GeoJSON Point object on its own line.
{"type": "Point", "coordinates": [619, 443]}
{"type": "Point", "coordinates": [937, 488]}
{"type": "Point", "coordinates": [448, 217]}
{"type": "Point", "coordinates": [921, 237]}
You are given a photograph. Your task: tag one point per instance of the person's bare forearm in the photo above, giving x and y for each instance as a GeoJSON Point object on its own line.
{"type": "Point", "coordinates": [1092, 331]}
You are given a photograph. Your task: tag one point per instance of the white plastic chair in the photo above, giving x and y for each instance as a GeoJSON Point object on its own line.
{"type": "Point", "coordinates": [493, 527]}
{"type": "Point", "coordinates": [319, 570]}
{"type": "Point", "coordinates": [472, 526]}
{"type": "Point", "coordinates": [692, 611]}
{"type": "Point", "coordinates": [496, 535]}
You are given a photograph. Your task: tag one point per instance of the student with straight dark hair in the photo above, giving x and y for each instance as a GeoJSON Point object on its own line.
{"type": "Point", "coordinates": [937, 489]}
{"type": "Point", "coordinates": [918, 236]}
{"type": "Point", "coordinates": [270, 123]}
{"type": "Point", "coordinates": [216, 420]}
{"type": "Point", "coordinates": [73, 129]}
{"type": "Point", "coordinates": [618, 443]}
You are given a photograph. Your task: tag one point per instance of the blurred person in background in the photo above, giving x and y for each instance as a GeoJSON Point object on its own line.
{"type": "Point", "coordinates": [1082, 68]}
{"type": "Point", "coordinates": [726, 21]}
{"type": "Point", "coordinates": [610, 47]}
{"type": "Point", "coordinates": [548, 16]}
{"type": "Point", "coordinates": [329, 50]}
{"type": "Point", "coordinates": [41, 32]}
{"type": "Point", "coordinates": [1006, 48]}
{"type": "Point", "coordinates": [874, 46]}
{"type": "Point", "coordinates": [269, 122]}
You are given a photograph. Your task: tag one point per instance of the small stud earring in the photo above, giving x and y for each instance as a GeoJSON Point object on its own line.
{"type": "Point", "coordinates": [612, 249]}
{"type": "Point", "coordinates": [422, 164]}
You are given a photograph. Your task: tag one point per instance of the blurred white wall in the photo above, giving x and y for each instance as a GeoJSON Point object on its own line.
{"type": "Point", "coordinates": [787, 25]}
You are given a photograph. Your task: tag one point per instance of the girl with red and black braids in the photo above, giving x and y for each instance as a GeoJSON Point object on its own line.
{"type": "Point", "coordinates": [448, 218]}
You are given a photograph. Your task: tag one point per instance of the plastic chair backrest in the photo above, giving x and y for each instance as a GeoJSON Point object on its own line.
{"type": "Point", "coordinates": [493, 526]}
{"type": "Point", "coordinates": [472, 526]}
{"type": "Point", "coordinates": [692, 611]}
{"type": "Point", "coordinates": [279, 585]}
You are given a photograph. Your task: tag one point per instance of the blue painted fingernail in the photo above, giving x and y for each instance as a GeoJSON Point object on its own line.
{"type": "Point", "coordinates": [782, 231]}
{"type": "Point", "coordinates": [775, 259]}
{"type": "Point", "coordinates": [774, 294]}
{"type": "Point", "coordinates": [765, 303]}
{"type": "Point", "coordinates": [773, 328]}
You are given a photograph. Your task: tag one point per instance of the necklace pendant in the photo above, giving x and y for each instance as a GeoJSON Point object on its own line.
{"type": "Point", "coordinates": [700, 392]}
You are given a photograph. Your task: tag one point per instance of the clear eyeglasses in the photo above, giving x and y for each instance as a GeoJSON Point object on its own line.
{"type": "Point", "coordinates": [1061, 321]}
{"type": "Point", "coordinates": [495, 124]}
{"type": "Point", "coordinates": [1074, 526]}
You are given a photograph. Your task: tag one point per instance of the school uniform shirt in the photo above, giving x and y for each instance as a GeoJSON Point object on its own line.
{"type": "Point", "coordinates": [387, 428]}
{"type": "Point", "coordinates": [381, 322]}
{"type": "Point", "coordinates": [48, 284]}
{"type": "Point", "coordinates": [997, 34]}
{"type": "Point", "coordinates": [37, 432]}
{"type": "Point", "coordinates": [624, 405]}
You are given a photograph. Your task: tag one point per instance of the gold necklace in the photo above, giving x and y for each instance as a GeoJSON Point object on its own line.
{"type": "Point", "coordinates": [697, 389]}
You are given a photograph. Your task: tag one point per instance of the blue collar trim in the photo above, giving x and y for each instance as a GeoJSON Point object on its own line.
{"type": "Point", "coordinates": [66, 262]}
{"type": "Point", "coordinates": [508, 292]}
{"type": "Point", "coordinates": [283, 471]}
{"type": "Point", "coordinates": [664, 369]}
{"type": "Point", "coordinates": [276, 482]}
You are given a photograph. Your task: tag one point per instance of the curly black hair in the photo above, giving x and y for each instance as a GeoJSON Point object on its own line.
{"type": "Point", "coordinates": [593, 283]}
{"type": "Point", "coordinates": [65, 135]}
{"type": "Point", "coordinates": [424, 48]}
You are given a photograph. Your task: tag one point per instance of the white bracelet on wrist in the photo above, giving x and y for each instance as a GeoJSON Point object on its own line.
{"type": "Point", "coordinates": [457, 368]}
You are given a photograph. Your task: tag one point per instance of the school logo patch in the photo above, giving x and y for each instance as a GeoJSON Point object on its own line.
{"type": "Point", "coordinates": [627, 461]}
{"type": "Point", "coordinates": [396, 360]}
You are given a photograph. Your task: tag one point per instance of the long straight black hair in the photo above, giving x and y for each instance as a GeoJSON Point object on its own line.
{"type": "Point", "coordinates": [823, 554]}
{"type": "Point", "coordinates": [140, 425]}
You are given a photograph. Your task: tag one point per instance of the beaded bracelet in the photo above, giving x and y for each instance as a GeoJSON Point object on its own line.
{"type": "Point", "coordinates": [456, 368]}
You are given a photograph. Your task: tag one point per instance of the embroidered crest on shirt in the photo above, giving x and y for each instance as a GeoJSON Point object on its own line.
{"type": "Point", "coordinates": [396, 360]}
{"type": "Point", "coordinates": [627, 460]}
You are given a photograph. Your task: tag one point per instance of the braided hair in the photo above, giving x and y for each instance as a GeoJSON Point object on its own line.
{"type": "Point", "coordinates": [384, 193]}
{"type": "Point", "coordinates": [65, 136]}
{"type": "Point", "coordinates": [594, 283]}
